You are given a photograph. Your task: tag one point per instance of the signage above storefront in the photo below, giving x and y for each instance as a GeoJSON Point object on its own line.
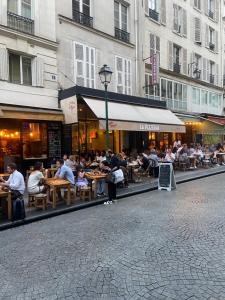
{"type": "Point", "coordinates": [69, 108]}
{"type": "Point", "coordinates": [135, 126]}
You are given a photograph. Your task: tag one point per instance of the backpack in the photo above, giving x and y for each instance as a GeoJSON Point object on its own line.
{"type": "Point", "coordinates": [18, 209]}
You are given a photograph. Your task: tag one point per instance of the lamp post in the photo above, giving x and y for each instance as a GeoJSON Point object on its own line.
{"type": "Point", "coordinates": [105, 75]}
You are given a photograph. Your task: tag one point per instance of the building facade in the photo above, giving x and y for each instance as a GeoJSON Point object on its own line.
{"type": "Point", "coordinates": [90, 34]}
{"type": "Point", "coordinates": [29, 110]}
{"type": "Point", "coordinates": [189, 37]}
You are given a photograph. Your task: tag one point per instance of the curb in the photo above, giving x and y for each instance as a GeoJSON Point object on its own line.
{"type": "Point", "coordinates": [96, 202]}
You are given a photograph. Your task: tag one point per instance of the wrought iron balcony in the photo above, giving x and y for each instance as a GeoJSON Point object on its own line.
{"type": "Point", "coordinates": [211, 14]}
{"type": "Point", "coordinates": [211, 46]}
{"type": "Point", "coordinates": [176, 68]}
{"type": "Point", "coordinates": [20, 23]}
{"type": "Point", "coordinates": [211, 78]}
{"type": "Point", "coordinates": [153, 14]}
{"type": "Point", "coordinates": [82, 18]}
{"type": "Point", "coordinates": [122, 35]}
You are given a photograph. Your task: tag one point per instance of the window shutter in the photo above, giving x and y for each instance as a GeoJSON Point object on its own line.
{"type": "Point", "coordinates": [206, 7]}
{"type": "Point", "coordinates": [163, 12]}
{"type": "Point", "coordinates": [38, 72]}
{"type": "Point", "coordinates": [152, 44]}
{"type": "Point", "coordinates": [92, 67]}
{"type": "Point", "coordinates": [184, 61]}
{"type": "Point", "coordinates": [197, 24]}
{"type": "Point", "coordinates": [175, 17]}
{"type": "Point", "coordinates": [204, 66]}
{"type": "Point", "coordinates": [127, 68]}
{"type": "Point", "coordinates": [207, 36]}
{"type": "Point", "coordinates": [146, 8]}
{"type": "Point", "coordinates": [170, 55]}
{"type": "Point", "coordinates": [79, 64]}
{"type": "Point", "coordinates": [216, 42]}
{"type": "Point", "coordinates": [184, 27]}
{"type": "Point", "coordinates": [119, 75]}
{"type": "Point", "coordinates": [208, 70]}
{"type": "Point", "coordinates": [216, 10]}
{"type": "Point", "coordinates": [4, 64]}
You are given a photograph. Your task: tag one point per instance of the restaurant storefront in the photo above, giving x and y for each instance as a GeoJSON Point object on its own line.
{"type": "Point", "coordinates": [28, 135]}
{"type": "Point", "coordinates": [134, 123]}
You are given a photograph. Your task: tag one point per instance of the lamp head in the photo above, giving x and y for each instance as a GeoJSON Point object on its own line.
{"type": "Point", "coordinates": [105, 74]}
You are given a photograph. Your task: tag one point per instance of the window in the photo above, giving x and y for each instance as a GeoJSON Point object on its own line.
{"type": "Point", "coordinates": [20, 69]}
{"type": "Point", "coordinates": [197, 4]}
{"type": "Point", "coordinates": [123, 75]}
{"type": "Point", "coordinates": [154, 44]}
{"type": "Point", "coordinates": [180, 20]}
{"type": "Point", "coordinates": [196, 96]}
{"type": "Point", "coordinates": [151, 91]}
{"type": "Point", "coordinates": [197, 32]}
{"type": "Point", "coordinates": [163, 88]}
{"type": "Point", "coordinates": [84, 65]}
{"type": "Point", "coordinates": [120, 16]}
{"type": "Point", "coordinates": [20, 7]}
{"type": "Point", "coordinates": [204, 97]}
{"type": "Point", "coordinates": [82, 6]}
{"type": "Point", "coordinates": [153, 9]}
{"type": "Point", "coordinates": [153, 4]}
{"type": "Point", "coordinates": [197, 66]}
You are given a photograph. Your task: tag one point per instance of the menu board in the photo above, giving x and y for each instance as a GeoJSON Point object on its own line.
{"type": "Point", "coordinates": [54, 140]}
{"type": "Point", "coordinates": [166, 179]}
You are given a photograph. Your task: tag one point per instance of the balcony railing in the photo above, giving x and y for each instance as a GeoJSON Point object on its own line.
{"type": "Point", "coordinates": [20, 23]}
{"type": "Point", "coordinates": [211, 14]}
{"type": "Point", "coordinates": [153, 14]}
{"type": "Point", "coordinates": [211, 78]}
{"type": "Point", "coordinates": [211, 46]}
{"type": "Point", "coordinates": [176, 68]}
{"type": "Point", "coordinates": [82, 18]}
{"type": "Point", "coordinates": [122, 35]}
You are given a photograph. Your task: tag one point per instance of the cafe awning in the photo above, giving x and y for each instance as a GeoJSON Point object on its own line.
{"type": "Point", "coordinates": [135, 117]}
{"type": "Point", "coordinates": [216, 120]}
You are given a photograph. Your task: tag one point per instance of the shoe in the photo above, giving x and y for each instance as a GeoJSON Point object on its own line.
{"type": "Point", "coordinates": [99, 195]}
{"type": "Point", "coordinates": [217, 165]}
{"type": "Point", "coordinates": [195, 167]}
{"type": "Point", "coordinates": [106, 202]}
{"type": "Point", "coordinates": [110, 202]}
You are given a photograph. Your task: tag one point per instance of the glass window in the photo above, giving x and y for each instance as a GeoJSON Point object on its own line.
{"type": "Point", "coordinates": [86, 7]}
{"type": "Point", "coordinates": [20, 69]}
{"type": "Point", "coordinates": [163, 88]}
{"type": "Point", "coordinates": [14, 68]}
{"type": "Point", "coordinates": [204, 98]}
{"type": "Point", "coordinates": [13, 6]}
{"type": "Point", "coordinates": [196, 96]}
{"type": "Point", "coordinates": [20, 7]}
{"type": "Point", "coordinates": [34, 137]}
{"type": "Point", "coordinates": [120, 16]}
{"type": "Point", "coordinates": [116, 15]}
{"type": "Point", "coordinates": [169, 89]}
{"type": "Point", "coordinates": [26, 8]}
{"type": "Point", "coordinates": [177, 91]}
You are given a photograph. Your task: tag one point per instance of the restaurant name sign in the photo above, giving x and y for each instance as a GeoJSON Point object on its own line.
{"type": "Point", "coordinates": [149, 127]}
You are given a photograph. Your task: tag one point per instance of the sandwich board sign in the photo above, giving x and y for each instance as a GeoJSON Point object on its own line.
{"type": "Point", "coordinates": [166, 180]}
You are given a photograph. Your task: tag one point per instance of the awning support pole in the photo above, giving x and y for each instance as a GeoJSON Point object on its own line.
{"type": "Point", "coordinates": [106, 119]}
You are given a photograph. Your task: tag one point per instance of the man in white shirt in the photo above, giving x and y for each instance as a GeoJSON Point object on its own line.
{"type": "Point", "coordinates": [15, 183]}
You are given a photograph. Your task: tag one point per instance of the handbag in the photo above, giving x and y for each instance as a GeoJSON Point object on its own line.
{"type": "Point", "coordinates": [110, 178]}
{"type": "Point", "coordinates": [119, 176]}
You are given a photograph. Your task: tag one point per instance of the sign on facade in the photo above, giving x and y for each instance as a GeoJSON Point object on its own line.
{"type": "Point", "coordinates": [154, 60]}
{"type": "Point", "coordinates": [69, 108]}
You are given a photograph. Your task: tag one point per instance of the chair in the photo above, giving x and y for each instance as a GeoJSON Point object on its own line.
{"type": "Point", "coordinates": [40, 201]}
{"type": "Point", "coordinates": [31, 200]}
{"type": "Point", "coordinates": [85, 193]}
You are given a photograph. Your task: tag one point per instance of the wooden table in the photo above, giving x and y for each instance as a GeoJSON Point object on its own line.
{"type": "Point", "coordinates": [7, 196]}
{"type": "Point", "coordinates": [54, 184]}
{"type": "Point", "coordinates": [95, 178]}
{"type": "Point", "coordinates": [4, 175]}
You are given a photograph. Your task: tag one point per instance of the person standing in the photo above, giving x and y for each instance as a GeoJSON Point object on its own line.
{"type": "Point", "coordinates": [114, 165]}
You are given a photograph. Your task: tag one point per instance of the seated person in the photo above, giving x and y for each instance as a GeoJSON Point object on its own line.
{"type": "Point", "coordinates": [15, 183]}
{"type": "Point", "coordinates": [35, 183]}
{"type": "Point", "coordinates": [81, 180]}
{"type": "Point", "coordinates": [64, 172]}
{"type": "Point", "coordinates": [170, 156]}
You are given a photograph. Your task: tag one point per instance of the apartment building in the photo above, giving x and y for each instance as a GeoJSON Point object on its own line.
{"type": "Point", "coordinates": [188, 35]}
{"type": "Point", "coordinates": [92, 33]}
{"type": "Point", "coordinates": [30, 118]}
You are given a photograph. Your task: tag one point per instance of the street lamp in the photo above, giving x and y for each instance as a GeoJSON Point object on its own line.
{"type": "Point", "coordinates": [105, 75]}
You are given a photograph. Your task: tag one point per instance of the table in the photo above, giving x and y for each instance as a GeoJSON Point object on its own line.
{"type": "Point", "coordinates": [56, 183]}
{"type": "Point", "coordinates": [132, 166]}
{"type": "Point", "coordinates": [95, 177]}
{"type": "Point", "coordinates": [4, 175]}
{"type": "Point", "coordinates": [7, 196]}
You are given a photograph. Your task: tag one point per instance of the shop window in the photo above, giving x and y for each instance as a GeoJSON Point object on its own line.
{"type": "Point", "coordinates": [204, 98]}
{"type": "Point", "coordinates": [34, 136]}
{"type": "Point", "coordinates": [20, 69]}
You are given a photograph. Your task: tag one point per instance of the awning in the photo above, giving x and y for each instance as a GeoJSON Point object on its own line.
{"type": "Point", "coordinates": [216, 120]}
{"type": "Point", "coordinates": [135, 118]}
{"type": "Point", "coordinates": [23, 113]}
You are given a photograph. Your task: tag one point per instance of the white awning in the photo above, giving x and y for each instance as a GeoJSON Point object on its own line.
{"type": "Point", "coordinates": [135, 118]}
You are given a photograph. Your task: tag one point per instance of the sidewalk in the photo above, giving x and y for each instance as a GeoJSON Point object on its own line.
{"type": "Point", "coordinates": [133, 189]}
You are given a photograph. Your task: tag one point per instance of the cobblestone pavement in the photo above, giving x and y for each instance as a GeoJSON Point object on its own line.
{"type": "Point", "coordinates": [158, 245]}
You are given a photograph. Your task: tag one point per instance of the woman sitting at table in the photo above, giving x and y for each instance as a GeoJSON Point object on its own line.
{"type": "Point", "coordinates": [35, 183]}
{"type": "Point", "coordinates": [81, 181]}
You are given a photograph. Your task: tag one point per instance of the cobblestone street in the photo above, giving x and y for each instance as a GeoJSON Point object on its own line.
{"type": "Point", "coordinates": [158, 245]}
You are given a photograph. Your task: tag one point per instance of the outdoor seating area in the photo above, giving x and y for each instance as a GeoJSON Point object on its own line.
{"type": "Point", "coordinates": [89, 175]}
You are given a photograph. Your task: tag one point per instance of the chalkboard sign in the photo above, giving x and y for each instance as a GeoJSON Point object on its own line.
{"type": "Point", "coordinates": [166, 179]}
{"type": "Point", "coordinates": [54, 140]}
